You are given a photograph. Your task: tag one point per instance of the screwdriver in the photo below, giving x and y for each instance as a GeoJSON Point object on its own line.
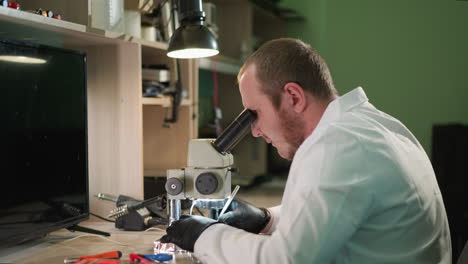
{"type": "Point", "coordinates": [229, 201]}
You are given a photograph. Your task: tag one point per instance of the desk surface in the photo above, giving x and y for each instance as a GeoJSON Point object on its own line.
{"type": "Point", "coordinates": [62, 243]}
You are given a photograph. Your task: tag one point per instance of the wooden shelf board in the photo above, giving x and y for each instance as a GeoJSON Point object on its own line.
{"type": "Point", "coordinates": [27, 26]}
{"type": "Point", "coordinates": [65, 32]}
{"type": "Point", "coordinates": [163, 101]}
{"type": "Point", "coordinates": [18, 16]}
{"type": "Point", "coordinates": [149, 44]}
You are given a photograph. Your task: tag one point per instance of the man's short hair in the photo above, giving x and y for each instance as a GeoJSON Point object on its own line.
{"type": "Point", "coordinates": [286, 60]}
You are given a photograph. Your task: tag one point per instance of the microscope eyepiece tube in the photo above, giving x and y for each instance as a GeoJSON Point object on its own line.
{"type": "Point", "coordinates": [235, 131]}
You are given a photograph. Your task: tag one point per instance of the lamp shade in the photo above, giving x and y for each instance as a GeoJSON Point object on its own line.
{"type": "Point", "coordinates": [192, 41]}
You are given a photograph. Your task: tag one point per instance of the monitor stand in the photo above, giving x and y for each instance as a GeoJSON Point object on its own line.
{"type": "Point", "coordinates": [74, 228]}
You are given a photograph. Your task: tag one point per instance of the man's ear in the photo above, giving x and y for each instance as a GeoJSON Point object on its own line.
{"type": "Point", "coordinates": [295, 97]}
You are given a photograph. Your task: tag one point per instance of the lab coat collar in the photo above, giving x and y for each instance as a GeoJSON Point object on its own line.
{"type": "Point", "coordinates": [333, 112]}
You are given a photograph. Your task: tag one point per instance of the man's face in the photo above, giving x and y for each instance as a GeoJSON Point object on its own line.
{"type": "Point", "coordinates": [280, 127]}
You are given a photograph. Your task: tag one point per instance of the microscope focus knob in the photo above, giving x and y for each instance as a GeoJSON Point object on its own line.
{"type": "Point", "coordinates": [174, 186]}
{"type": "Point", "coordinates": [206, 183]}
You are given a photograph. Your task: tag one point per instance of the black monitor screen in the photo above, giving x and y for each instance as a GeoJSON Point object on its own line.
{"type": "Point", "coordinates": [43, 139]}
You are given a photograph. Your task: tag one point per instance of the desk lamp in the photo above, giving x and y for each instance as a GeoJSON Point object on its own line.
{"type": "Point", "coordinates": [192, 39]}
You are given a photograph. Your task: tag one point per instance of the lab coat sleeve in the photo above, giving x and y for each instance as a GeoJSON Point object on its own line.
{"type": "Point", "coordinates": [275, 216]}
{"type": "Point", "coordinates": [326, 199]}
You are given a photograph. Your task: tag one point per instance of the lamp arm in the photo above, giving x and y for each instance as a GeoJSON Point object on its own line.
{"type": "Point", "coordinates": [177, 94]}
{"type": "Point", "coordinates": [176, 97]}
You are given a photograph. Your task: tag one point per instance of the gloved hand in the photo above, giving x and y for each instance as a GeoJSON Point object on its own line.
{"type": "Point", "coordinates": [246, 216]}
{"type": "Point", "coordinates": [185, 231]}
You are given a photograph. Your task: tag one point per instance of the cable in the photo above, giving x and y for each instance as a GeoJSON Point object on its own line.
{"type": "Point", "coordinates": [200, 212]}
{"type": "Point", "coordinates": [155, 228]}
{"type": "Point", "coordinates": [103, 218]}
{"type": "Point", "coordinates": [215, 84]}
{"type": "Point", "coordinates": [91, 235]}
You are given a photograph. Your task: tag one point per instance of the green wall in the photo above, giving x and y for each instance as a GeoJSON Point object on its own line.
{"type": "Point", "coordinates": [411, 57]}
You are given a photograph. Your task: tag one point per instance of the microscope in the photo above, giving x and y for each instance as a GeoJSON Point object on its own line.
{"type": "Point", "coordinates": [206, 180]}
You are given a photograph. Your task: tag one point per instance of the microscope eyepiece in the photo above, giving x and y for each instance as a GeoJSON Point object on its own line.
{"type": "Point", "coordinates": [235, 131]}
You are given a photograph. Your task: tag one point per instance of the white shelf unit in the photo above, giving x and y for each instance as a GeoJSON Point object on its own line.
{"type": "Point", "coordinates": [126, 133]}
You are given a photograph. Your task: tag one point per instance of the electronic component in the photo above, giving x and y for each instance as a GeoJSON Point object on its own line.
{"type": "Point", "coordinates": [135, 205]}
{"type": "Point", "coordinates": [135, 215]}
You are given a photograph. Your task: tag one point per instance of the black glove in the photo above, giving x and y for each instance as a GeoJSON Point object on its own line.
{"type": "Point", "coordinates": [246, 216]}
{"type": "Point", "coordinates": [185, 231]}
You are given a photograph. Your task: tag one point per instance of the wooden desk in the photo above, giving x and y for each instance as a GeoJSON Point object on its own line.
{"type": "Point", "coordinates": [62, 243]}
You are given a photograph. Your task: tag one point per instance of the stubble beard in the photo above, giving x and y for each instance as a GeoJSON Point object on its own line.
{"type": "Point", "coordinates": [291, 127]}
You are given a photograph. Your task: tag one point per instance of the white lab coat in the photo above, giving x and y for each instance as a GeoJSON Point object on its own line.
{"type": "Point", "coordinates": [361, 189]}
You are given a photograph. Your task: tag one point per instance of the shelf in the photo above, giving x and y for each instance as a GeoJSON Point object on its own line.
{"type": "Point", "coordinates": [163, 101]}
{"type": "Point", "coordinates": [222, 64]}
{"type": "Point", "coordinates": [18, 16]}
{"type": "Point", "coordinates": [147, 43]}
{"type": "Point", "coordinates": [60, 32]}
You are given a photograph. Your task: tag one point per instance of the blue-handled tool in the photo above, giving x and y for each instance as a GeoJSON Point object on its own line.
{"type": "Point", "coordinates": [159, 257]}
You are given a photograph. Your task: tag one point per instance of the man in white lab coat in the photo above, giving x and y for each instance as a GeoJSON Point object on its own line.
{"type": "Point", "coordinates": [360, 189]}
